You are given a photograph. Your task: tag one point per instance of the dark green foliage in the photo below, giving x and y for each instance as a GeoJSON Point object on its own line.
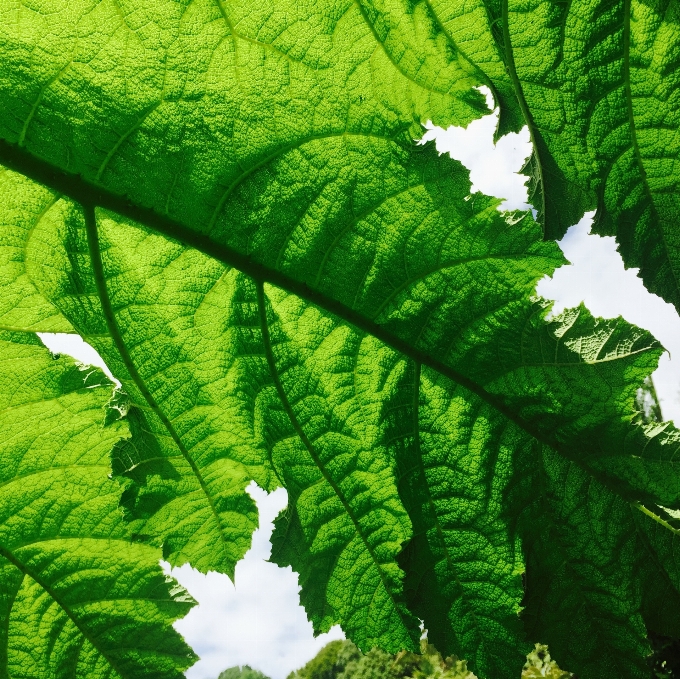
{"type": "Point", "coordinates": [329, 662]}
{"type": "Point", "coordinates": [225, 199]}
{"type": "Point", "coordinates": [665, 660]}
{"type": "Point", "coordinates": [376, 664]}
{"type": "Point", "coordinates": [343, 660]}
{"type": "Point", "coordinates": [245, 672]}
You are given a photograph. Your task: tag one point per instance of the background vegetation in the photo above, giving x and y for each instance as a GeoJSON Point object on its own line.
{"type": "Point", "coordinates": [343, 660]}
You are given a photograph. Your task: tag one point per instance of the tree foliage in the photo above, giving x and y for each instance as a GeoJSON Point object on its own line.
{"type": "Point", "coordinates": [343, 660]}
{"type": "Point", "coordinates": [245, 672]}
{"type": "Point", "coordinates": [225, 199]}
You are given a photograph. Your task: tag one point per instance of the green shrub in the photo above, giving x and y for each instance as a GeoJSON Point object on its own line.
{"type": "Point", "coordinates": [343, 660]}
{"type": "Point", "coordinates": [245, 672]}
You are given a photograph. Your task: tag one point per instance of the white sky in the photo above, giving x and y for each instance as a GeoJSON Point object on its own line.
{"type": "Point", "coordinates": [259, 621]}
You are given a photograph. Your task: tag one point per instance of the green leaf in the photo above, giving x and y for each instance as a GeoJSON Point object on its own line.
{"type": "Point", "coordinates": [204, 82]}
{"type": "Point", "coordinates": [22, 307]}
{"type": "Point", "coordinates": [583, 592]}
{"type": "Point", "coordinates": [169, 312]}
{"type": "Point", "coordinates": [77, 596]}
{"type": "Point", "coordinates": [329, 438]}
{"type": "Point", "coordinates": [475, 29]}
{"type": "Point", "coordinates": [600, 82]}
{"type": "Point", "coordinates": [657, 531]}
{"type": "Point", "coordinates": [598, 569]}
{"type": "Point", "coordinates": [189, 459]}
{"type": "Point", "coordinates": [291, 291]}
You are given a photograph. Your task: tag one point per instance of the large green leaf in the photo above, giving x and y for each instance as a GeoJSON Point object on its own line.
{"type": "Point", "coordinates": [599, 81]}
{"type": "Point", "coordinates": [212, 90]}
{"type": "Point", "coordinates": [332, 409]}
{"type": "Point", "coordinates": [230, 208]}
{"type": "Point", "coordinates": [77, 596]}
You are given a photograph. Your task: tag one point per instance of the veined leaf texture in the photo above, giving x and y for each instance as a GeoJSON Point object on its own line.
{"type": "Point", "coordinates": [226, 200]}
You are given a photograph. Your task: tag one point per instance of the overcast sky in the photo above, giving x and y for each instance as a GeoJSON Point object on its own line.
{"type": "Point", "coordinates": [259, 620]}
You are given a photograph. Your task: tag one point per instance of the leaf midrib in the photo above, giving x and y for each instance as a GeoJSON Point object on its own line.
{"type": "Point", "coordinates": [15, 561]}
{"type": "Point", "coordinates": [312, 451]}
{"type": "Point", "coordinates": [481, 641]}
{"type": "Point", "coordinates": [109, 315]}
{"type": "Point", "coordinates": [90, 196]}
{"type": "Point", "coordinates": [634, 140]}
{"type": "Point", "coordinates": [524, 107]}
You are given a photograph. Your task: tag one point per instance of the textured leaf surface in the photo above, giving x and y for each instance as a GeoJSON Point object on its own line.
{"type": "Point", "coordinates": [583, 596]}
{"type": "Point", "coordinates": [22, 307]}
{"type": "Point", "coordinates": [463, 563]}
{"type": "Point", "coordinates": [332, 410]}
{"type": "Point", "coordinates": [598, 571]}
{"type": "Point", "coordinates": [290, 291]}
{"type": "Point", "coordinates": [209, 91]}
{"type": "Point", "coordinates": [476, 29]}
{"type": "Point", "coordinates": [601, 82]}
{"type": "Point", "coordinates": [346, 523]}
{"type": "Point", "coordinates": [188, 455]}
{"type": "Point", "coordinates": [78, 598]}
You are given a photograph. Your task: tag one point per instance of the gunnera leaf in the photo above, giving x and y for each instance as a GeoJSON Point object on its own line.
{"type": "Point", "coordinates": [600, 84]}
{"type": "Point", "coordinates": [77, 596]}
{"type": "Point", "coordinates": [291, 291]}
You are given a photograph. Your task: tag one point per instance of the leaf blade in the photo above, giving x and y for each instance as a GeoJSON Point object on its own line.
{"type": "Point", "coordinates": [78, 596]}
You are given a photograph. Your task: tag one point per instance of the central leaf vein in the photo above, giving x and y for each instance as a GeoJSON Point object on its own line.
{"type": "Point", "coordinates": [107, 308]}
{"type": "Point", "coordinates": [308, 444]}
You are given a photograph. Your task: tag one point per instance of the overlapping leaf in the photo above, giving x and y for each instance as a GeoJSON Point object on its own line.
{"type": "Point", "coordinates": [601, 82]}
{"type": "Point", "coordinates": [475, 28]}
{"type": "Point", "coordinates": [596, 82]}
{"type": "Point", "coordinates": [77, 596]}
{"type": "Point", "coordinates": [398, 377]}
{"type": "Point", "coordinates": [333, 411]}
{"type": "Point", "coordinates": [184, 403]}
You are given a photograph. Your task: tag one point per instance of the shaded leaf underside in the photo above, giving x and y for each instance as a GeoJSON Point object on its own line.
{"type": "Point", "coordinates": [321, 406]}
{"type": "Point", "coordinates": [291, 292]}
{"type": "Point", "coordinates": [78, 598]}
{"type": "Point", "coordinates": [601, 82]}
